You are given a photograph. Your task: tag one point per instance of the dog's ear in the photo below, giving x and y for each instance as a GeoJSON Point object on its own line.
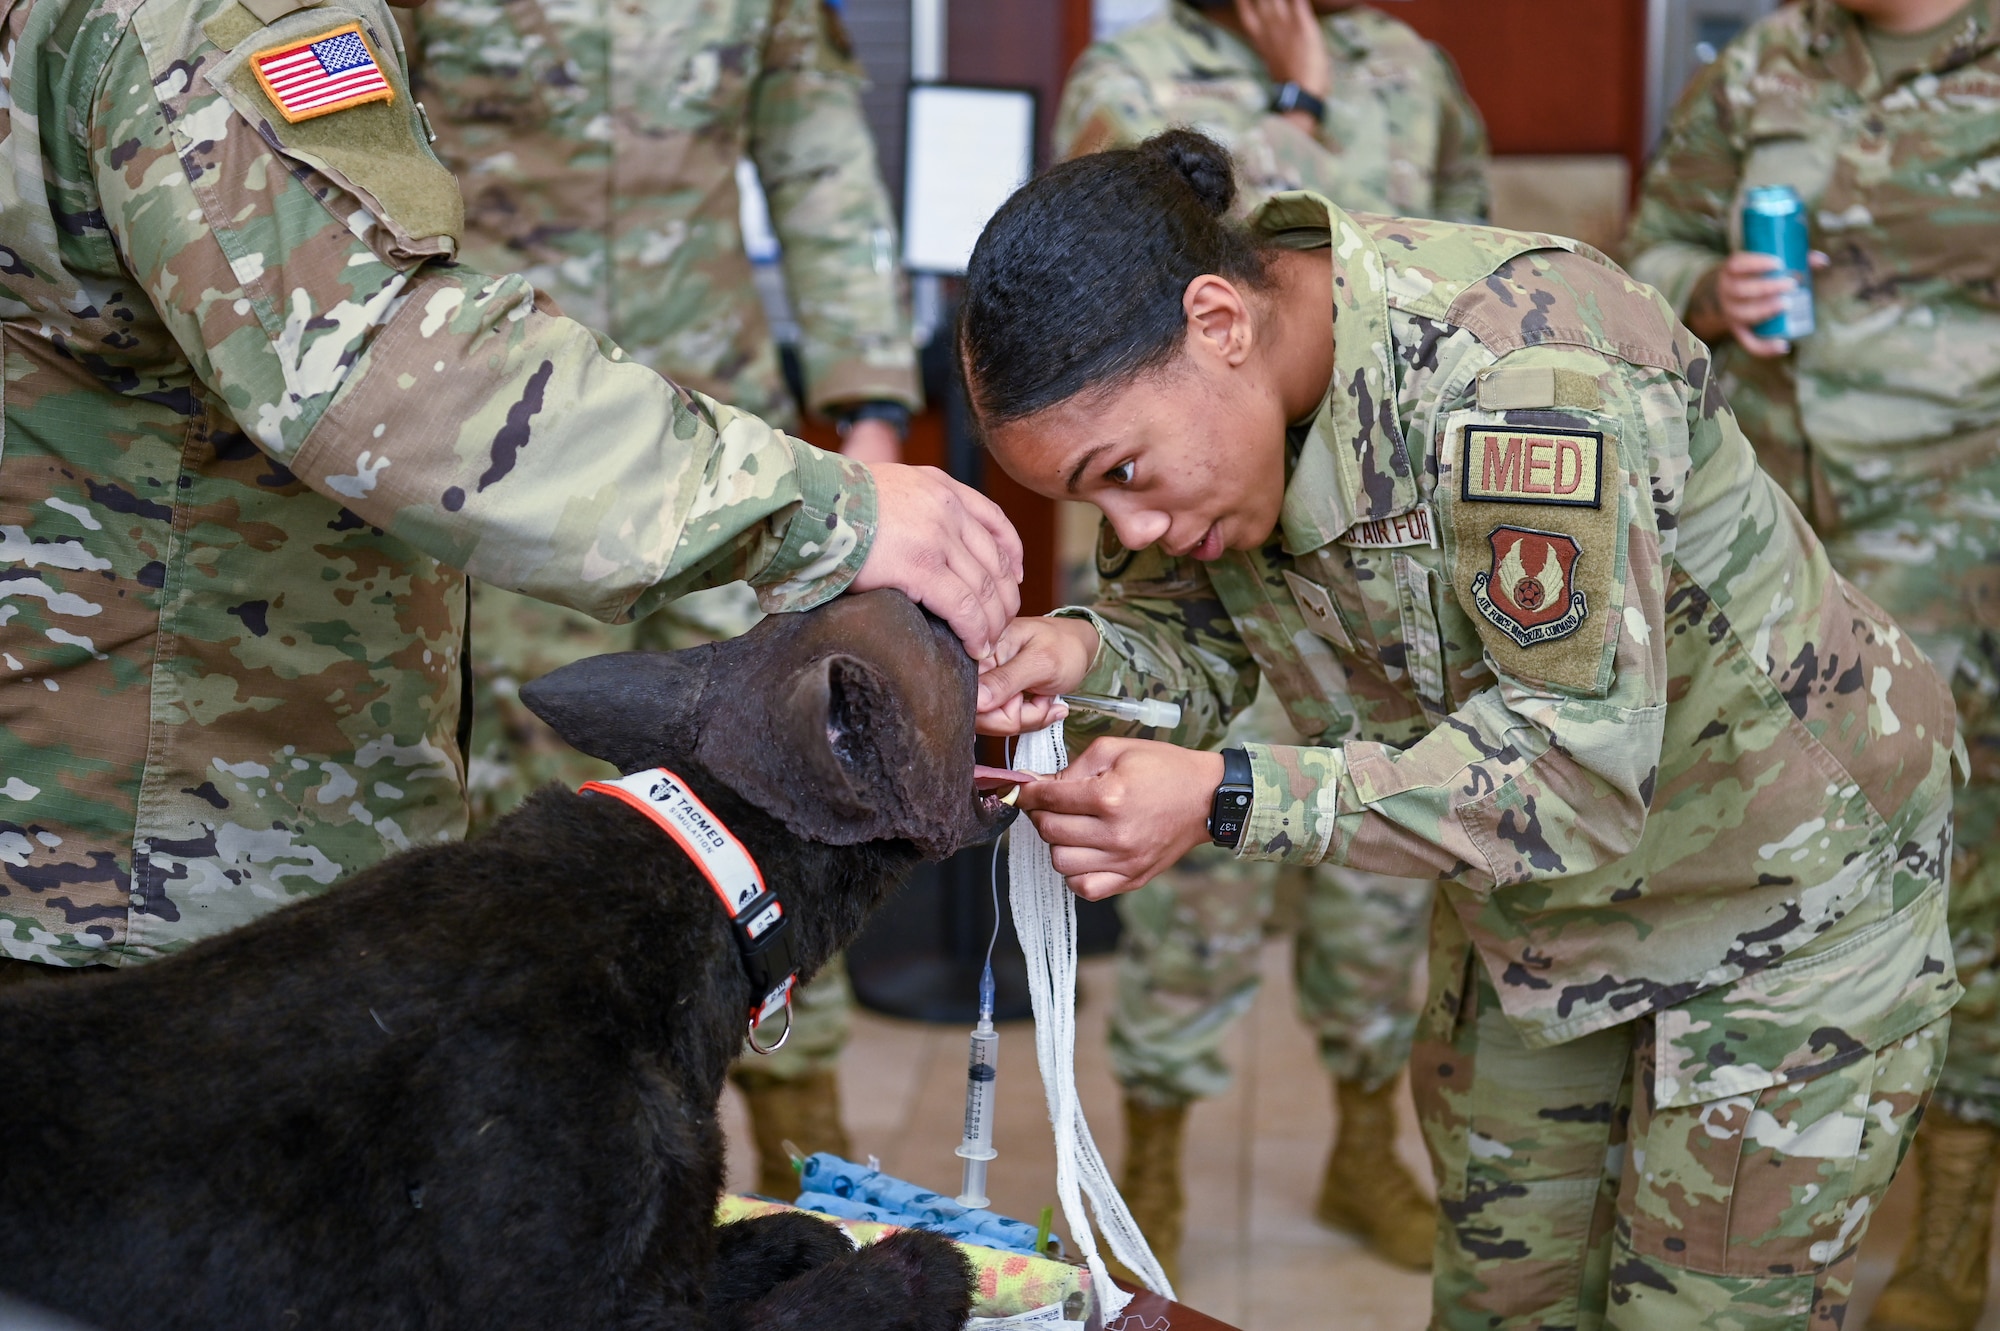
{"type": "Point", "coordinates": [835, 737]}
{"type": "Point", "coordinates": [627, 708]}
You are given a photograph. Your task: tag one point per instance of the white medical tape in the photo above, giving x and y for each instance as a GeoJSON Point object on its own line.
{"type": "Point", "coordinates": [1045, 919]}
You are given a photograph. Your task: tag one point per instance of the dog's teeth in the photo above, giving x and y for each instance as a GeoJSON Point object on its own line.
{"type": "Point", "coordinates": [1012, 795]}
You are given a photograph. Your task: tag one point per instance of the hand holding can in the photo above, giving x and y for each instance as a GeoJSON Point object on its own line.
{"type": "Point", "coordinates": [1774, 223]}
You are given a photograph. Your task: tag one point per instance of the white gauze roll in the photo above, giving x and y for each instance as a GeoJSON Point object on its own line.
{"type": "Point", "coordinates": [1045, 918]}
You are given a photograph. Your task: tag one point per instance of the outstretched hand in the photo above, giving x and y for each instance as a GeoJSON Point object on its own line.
{"type": "Point", "coordinates": [1125, 811]}
{"type": "Point", "coordinates": [948, 548]}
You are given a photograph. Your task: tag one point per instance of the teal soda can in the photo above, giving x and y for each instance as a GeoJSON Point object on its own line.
{"type": "Point", "coordinates": [1774, 222]}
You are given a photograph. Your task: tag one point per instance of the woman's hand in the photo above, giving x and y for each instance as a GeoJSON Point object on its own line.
{"type": "Point", "coordinates": [1286, 35]}
{"type": "Point", "coordinates": [1123, 812]}
{"type": "Point", "coordinates": [1034, 660]}
{"type": "Point", "coordinates": [1738, 294]}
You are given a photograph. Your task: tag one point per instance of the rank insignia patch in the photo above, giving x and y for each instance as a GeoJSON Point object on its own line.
{"type": "Point", "coordinates": [1528, 593]}
{"type": "Point", "coordinates": [322, 74]}
{"type": "Point", "coordinates": [1522, 466]}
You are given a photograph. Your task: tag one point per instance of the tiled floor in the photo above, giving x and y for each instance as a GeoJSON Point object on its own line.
{"type": "Point", "coordinates": [1255, 1256]}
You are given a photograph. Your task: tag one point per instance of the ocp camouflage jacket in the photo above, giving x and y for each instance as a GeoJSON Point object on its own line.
{"type": "Point", "coordinates": [255, 421]}
{"type": "Point", "coordinates": [1399, 134]}
{"type": "Point", "coordinates": [1588, 664]}
{"type": "Point", "coordinates": [599, 142]}
{"type": "Point", "coordinates": [1896, 395]}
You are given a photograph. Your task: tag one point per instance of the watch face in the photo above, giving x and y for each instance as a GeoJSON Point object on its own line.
{"type": "Point", "coordinates": [1228, 814]}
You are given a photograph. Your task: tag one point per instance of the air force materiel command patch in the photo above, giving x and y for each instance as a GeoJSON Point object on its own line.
{"type": "Point", "coordinates": [320, 75]}
{"type": "Point", "coordinates": [1538, 466]}
{"type": "Point", "coordinates": [1528, 592]}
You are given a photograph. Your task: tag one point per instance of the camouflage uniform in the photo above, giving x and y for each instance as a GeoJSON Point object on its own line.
{"type": "Point", "coordinates": [1399, 136]}
{"type": "Point", "coordinates": [1884, 425]}
{"type": "Point", "coordinates": [598, 145]}
{"type": "Point", "coordinates": [1689, 791]}
{"type": "Point", "coordinates": [255, 423]}
{"type": "Point", "coordinates": [1189, 968]}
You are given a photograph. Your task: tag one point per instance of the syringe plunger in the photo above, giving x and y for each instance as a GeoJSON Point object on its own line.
{"type": "Point", "coordinates": [977, 1147]}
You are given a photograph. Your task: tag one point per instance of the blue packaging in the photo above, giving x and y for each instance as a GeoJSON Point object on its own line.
{"type": "Point", "coordinates": [1774, 222]}
{"type": "Point", "coordinates": [838, 1187]}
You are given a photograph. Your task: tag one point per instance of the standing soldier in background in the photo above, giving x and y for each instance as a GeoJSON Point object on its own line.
{"type": "Point", "coordinates": [1304, 94]}
{"type": "Point", "coordinates": [599, 146]}
{"type": "Point", "coordinates": [1347, 101]}
{"type": "Point", "coordinates": [1884, 424]}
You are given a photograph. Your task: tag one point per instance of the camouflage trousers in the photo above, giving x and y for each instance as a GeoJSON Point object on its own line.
{"type": "Point", "coordinates": [516, 639]}
{"type": "Point", "coordinates": [1567, 1199]}
{"type": "Point", "coordinates": [1188, 962]}
{"type": "Point", "coordinates": [1938, 576]}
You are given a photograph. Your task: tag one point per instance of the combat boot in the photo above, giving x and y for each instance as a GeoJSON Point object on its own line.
{"type": "Point", "coordinates": [1940, 1280]}
{"type": "Point", "coordinates": [1367, 1191]}
{"type": "Point", "coordinates": [1151, 1182]}
{"type": "Point", "coordinates": [804, 1113]}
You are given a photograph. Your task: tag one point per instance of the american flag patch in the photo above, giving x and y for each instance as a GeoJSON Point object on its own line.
{"type": "Point", "coordinates": [330, 72]}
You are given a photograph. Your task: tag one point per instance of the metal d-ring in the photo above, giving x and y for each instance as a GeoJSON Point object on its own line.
{"type": "Point", "coordinates": [786, 1035]}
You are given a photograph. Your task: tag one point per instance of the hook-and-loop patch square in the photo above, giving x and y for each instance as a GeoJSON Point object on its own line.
{"type": "Point", "coordinates": [1509, 464]}
{"type": "Point", "coordinates": [1536, 542]}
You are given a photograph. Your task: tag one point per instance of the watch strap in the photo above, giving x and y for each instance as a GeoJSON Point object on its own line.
{"type": "Point", "coordinates": [895, 414]}
{"type": "Point", "coordinates": [1291, 97]}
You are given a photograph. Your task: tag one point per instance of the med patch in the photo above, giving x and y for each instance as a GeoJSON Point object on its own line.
{"type": "Point", "coordinates": [1536, 549]}
{"type": "Point", "coordinates": [1507, 464]}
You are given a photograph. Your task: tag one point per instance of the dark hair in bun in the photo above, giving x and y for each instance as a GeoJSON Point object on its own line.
{"type": "Point", "coordinates": [1077, 281]}
{"type": "Point", "coordinates": [1202, 163]}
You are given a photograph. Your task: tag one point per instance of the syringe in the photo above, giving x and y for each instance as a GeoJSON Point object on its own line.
{"type": "Point", "coordinates": [980, 1071]}
{"type": "Point", "coordinates": [1155, 712]}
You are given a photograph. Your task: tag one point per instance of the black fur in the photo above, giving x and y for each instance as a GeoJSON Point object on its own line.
{"type": "Point", "coordinates": [475, 1086]}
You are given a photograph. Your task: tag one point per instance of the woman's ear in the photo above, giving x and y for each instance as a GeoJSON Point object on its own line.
{"type": "Point", "coordinates": [1219, 321]}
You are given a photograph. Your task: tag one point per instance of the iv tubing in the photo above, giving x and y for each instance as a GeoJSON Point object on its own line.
{"type": "Point", "coordinates": [976, 1149]}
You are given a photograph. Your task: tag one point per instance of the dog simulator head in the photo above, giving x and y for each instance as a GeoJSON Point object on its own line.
{"type": "Point", "coordinates": [848, 723]}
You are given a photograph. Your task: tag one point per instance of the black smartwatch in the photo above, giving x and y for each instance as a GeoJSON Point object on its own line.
{"type": "Point", "coordinates": [1229, 811]}
{"type": "Point", "coordinates": [875, 409]}
{"type": "Point", "coordinates": [1291, 97]}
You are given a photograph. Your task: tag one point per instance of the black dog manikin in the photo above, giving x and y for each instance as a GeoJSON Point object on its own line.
{"type": "Point", "coordinates": [475, 1086]}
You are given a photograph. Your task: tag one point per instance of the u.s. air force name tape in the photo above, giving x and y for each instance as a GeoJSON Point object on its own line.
{"type": "Point", "coordinates": [1395, 532]}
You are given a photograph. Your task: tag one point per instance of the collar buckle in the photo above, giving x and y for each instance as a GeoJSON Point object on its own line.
{"type": "Point", "coordinates": [764, 942]}
{"type": "Point", "coordinates": [776, 1002]}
